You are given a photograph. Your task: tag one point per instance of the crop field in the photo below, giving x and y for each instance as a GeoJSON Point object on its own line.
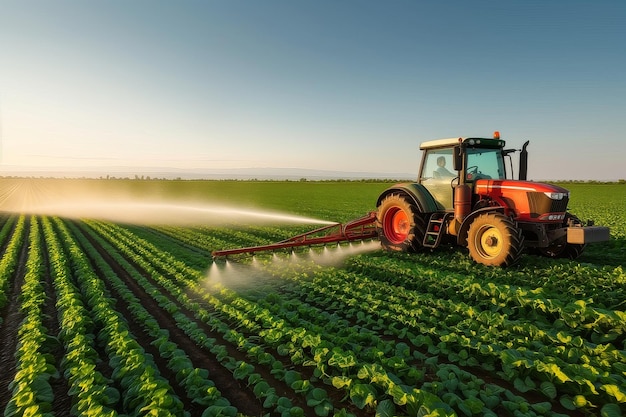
{"type": "Point", "coordinates": [101, 316]}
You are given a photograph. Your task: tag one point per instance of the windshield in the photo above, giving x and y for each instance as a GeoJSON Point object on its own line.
{"type": "Point", "coordinates": [484, 163]}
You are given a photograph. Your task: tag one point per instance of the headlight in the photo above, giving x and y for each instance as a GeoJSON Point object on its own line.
{"type": "Point", "coordinates": [556, 196]}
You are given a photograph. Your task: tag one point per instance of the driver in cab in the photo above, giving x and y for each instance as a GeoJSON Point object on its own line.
{"type": "Point", "coordinates": [442, 171]}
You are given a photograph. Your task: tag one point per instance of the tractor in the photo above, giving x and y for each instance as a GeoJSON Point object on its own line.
{"type": "Point", "coordinates": [474, 203]}
{"type": "Point", "coordinates": [465, 195]}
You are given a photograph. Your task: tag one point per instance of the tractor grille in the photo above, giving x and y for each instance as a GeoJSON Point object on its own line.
{"type": "Point", "coordinates": [540, 203]}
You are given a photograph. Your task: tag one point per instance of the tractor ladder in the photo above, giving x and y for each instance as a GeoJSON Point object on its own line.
{"type": "Point", "coordinates": [435, 229]}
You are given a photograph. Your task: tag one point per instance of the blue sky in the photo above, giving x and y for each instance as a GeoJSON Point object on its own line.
{"type": "Point", "coordinates": [334, 85]}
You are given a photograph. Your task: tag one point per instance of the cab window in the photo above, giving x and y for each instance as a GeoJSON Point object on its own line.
{"type": "Point", "coordinates": [484, 163]}
{"type": "Point", "coordinates": [437, 176]}
{"type": "Point", "coordinates": [438, 165]}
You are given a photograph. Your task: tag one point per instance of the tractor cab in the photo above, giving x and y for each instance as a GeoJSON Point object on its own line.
{"type": "Point", "coordinates": [447, 163]}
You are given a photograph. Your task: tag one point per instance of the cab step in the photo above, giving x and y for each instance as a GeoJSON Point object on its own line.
{"type": "Point", "coordinates": [435, 229]}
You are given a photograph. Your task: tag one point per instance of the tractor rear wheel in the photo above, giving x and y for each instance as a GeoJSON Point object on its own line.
{"type": "Point", "coordinates": [494, 239]}
{"type": "Point", "coordinates": [564, 249]}
{"type": "Point", "coordinates": [399, 224]}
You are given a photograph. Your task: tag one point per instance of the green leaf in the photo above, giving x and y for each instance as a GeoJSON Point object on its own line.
{"type": "Point", "coordinates": [563, 337]}
{"type": "Point", "coordinates": [519, 385]}
{"type": "Point", "coordinates": [243, 370]}
{"type": "Point", "coordinates": [323, 409]}
{"type": "Point", "coordinates": [610, 410]}
{"type": "Point", "coordinates": [220, 411]}
{"type": "Point", "coordinates": [260, 389]}
{"type": "Point", "coordinates": [284, 402]}
{"type": "Point", "coordinates": [316, 396]}
{"type": "Point", "coordinates": [11, 409]}
{"type": "Point", "coordinates": [254, 378]}
{"type": "Point", "coordinates": [343, 413]}
{"type": "Point", "coordinates": [111, 395]}
{"type": "Point", "coordinates": [342, 359]}
{"type": "Point", "coordinates": [303, 385]}
{"type": "Point", "coordinates": [554, 370]}
{"type": "Point", "coordinates": [180, 363]}
{"type": "Point", "coordinates": [567, 402]}
{"type": "Point", "coordinates": [43, 389]}
{"type": "Point", "coordinates": [362, 395]}
{"type": "Point", "coordinates": [614, 391]}
{"type": "Point", "coordinates": [386, 408]}
{"type": "Point", "coordinates": [398, 393]}
{"type": "Point", "coordinates": [474, 405]}
{"type": "Point", "coordinates": [341, 382]}
{"type": "Point", "coordinates": [491, 401]}
{"type": "Point", "coordinates": [548, 389]}
{"type": "Point", "coordinates": [542, 408]}
{"type": "Point", "coordinates": [292, 376]}
{"type": "Point", "coordinates": [270, 401]}
{"type": "Point", "coordinates": [296, 412]}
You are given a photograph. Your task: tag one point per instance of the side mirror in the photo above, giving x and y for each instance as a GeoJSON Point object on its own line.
{"type": "Point", "coordinates": [457, 158]}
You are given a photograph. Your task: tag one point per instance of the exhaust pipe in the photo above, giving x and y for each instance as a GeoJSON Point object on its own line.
{"type": "Point", "coordinates": [523, 162]}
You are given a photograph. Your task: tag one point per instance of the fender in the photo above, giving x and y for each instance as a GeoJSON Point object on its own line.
{"type": "Point", "coordinates": [418, 194]}
{"type": "Point", "coordinates": [461, 238]}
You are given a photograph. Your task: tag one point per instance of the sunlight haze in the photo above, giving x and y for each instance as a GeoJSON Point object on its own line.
{"type": "Point", "coordinates": [341, 86]}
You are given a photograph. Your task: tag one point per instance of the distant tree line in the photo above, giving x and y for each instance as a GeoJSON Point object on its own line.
{"type": "Point", "coordinates": [338, 180]}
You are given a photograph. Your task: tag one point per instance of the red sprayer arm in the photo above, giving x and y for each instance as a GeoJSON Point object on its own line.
{"type": "Point", "coordinates": [358, 229]}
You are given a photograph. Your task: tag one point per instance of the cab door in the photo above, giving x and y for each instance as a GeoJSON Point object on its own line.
{"type": "Point", "coordinates": [438, 176]}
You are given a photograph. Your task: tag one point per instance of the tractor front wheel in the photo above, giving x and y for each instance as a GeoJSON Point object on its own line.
{"type": "Point", "coordinates": [399, 224]}
{"type": "Point", "coordinates": [493, 239]}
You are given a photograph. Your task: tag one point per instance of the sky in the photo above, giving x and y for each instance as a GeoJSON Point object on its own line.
{"type": "Point", "coordinates": [340, 85]}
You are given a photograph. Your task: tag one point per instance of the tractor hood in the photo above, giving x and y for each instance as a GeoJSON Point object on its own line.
{"type": "Point", "coordinates": [526, 200]}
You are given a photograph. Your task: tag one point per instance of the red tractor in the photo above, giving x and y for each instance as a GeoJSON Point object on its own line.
{"type": "Point", "coordinates": [474, 204]}
{"type": "Point", "coordinates": [463, 196]}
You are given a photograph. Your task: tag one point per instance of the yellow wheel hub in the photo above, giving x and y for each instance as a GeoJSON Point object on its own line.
{"type": "Point", "coordinates": [490, 242]}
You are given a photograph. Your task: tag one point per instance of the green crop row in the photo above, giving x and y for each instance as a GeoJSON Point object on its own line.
{"type": "Point", "coordinates": [487, 335]}
{"type": "Point", "coordinates": [31, 390]}
{"type": "Point", "coordinates": [545, 314]}
{"type": "Point", "coordinates": [372, 328]}
{"type": "Point", "coordinates": [144, 390]}
{"type": "Point", "coordinates": [199, 388]}
{"type": "Point", "coordinates": [92, 393]}
{"type": "Point", "coordinates": [10, 258]}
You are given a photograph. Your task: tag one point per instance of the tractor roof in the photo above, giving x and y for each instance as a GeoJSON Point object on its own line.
{"type": "Point", "coordinates": [440, 143]}
{"type": "Point", "coordinates": [450, 142]}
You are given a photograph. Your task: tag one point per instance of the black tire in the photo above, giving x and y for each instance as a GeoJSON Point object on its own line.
{"type": "Point", "coordinates": [494, 239]}
{"type": "Point", "coordinates": [399, 224]}
{"type": "Point", "coordinates": [563, 249]}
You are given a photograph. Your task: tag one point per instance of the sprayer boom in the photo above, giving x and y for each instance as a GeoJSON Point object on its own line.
{"type": "Point", "coordinates": [358, 229]}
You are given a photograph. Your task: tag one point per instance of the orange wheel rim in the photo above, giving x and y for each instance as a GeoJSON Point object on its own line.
{"type": "Point", "coordinates": [396, 225]}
